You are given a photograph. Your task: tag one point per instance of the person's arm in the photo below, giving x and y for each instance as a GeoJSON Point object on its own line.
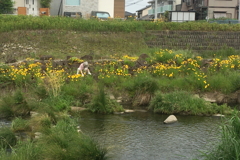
{"type": "Point", "coordinates": [80, 68]}
{"type": "Point", "coordinates": [82, 73]}
{"type": "Point", "coordinates": [89, 71]}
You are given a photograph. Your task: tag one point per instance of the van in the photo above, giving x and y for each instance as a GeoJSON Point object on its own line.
{"type": "Point", "coordinates": [100, 14]}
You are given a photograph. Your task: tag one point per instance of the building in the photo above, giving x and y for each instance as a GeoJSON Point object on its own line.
{"type": "Point", "coordinates": [228, 9]}
{"type": "Point", "coordinates": [162, 6]}
{"type": "Point", "coordinates": [27, 7]}
{"type": "Point", "coordinates": [116, 8]}
{"type": "Point", "coordinates": [212, 8]}
{"type": "Point", "coordinates": [129, 14]}
{"type": "Point", "coordinates": [142, 13]}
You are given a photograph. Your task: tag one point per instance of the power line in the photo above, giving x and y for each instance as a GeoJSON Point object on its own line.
{"type": "Point", "coordinates": [133, 3]}
{"type": "Point", "coordinates": [130, 1]}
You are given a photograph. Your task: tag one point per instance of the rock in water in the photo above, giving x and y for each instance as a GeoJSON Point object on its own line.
{"type": "Point", "coordinates": [170, 119]}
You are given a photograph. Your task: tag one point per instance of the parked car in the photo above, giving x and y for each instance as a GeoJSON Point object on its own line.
{"type": "Point", "coordinates": [73, 14]}
{"type": "Point", "coordinates": [100, 14]}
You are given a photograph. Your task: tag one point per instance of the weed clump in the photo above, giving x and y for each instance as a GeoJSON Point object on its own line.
{"type": "Point", "coordinates": [14, 105]}
{"type": "Point", "coordinates": [7, 138]}
{"type": "Point", "coordinates": [101, 103]}
{"type": "Point", "coordinates": [228, 147]}
{"type": "Point", "coordinates": [182, 102]}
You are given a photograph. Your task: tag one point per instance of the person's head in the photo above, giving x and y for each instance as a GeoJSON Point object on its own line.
{"type": "Point", "coordinates": [85, 64]}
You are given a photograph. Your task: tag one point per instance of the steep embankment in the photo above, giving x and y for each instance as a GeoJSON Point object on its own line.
{"type": "Point", "coordinates": [22, 44]}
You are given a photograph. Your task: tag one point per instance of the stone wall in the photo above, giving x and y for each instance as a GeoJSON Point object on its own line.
{"type": "Point", "coordinates": [194, 40]}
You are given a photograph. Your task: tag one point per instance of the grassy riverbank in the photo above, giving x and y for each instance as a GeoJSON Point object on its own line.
{"type": "Point", "coordinates": [124, 72]}
{"type": "Point", "coordinates": [12, 23]}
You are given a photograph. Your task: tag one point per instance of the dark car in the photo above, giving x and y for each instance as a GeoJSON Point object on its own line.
{"type": "Point", "coordinates": [100, 14]}
{"type": "Point", "coordinates": [73, 14]}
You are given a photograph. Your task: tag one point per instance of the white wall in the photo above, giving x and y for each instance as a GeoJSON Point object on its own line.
{"type": "Point", "coordinates": [18, 3]}
{"type": "Point", "coordinates": [106, 5]}
{"type": "Point", "coordinates": [145, 11]}
{"type": "Point", "coordinates": [176, 2]}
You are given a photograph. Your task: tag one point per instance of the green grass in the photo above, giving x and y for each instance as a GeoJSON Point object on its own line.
{"type": "Point", "coordinates": [14, 105]}
{"type": "Point", "coordinates": [225, 83]}
{"type": "Point", "coordinates": [62, 142]}
{"type": "Point", "coordinates": [19, 124]}
{"type": "Point", "coordinates": [101, 102]}
{"type": "Point", "coordinates": [182, 102]}
{"type": "Point", "coordinates": [229, 145]}
{"type": "Point", "coordinates": [7, 138]}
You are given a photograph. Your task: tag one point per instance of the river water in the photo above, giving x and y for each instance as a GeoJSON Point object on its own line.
{"type": "Point", "coordinates": [143, 136]}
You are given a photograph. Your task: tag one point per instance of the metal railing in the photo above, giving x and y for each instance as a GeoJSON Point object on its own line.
{"type": "Point", "coordinates": [160, 9]}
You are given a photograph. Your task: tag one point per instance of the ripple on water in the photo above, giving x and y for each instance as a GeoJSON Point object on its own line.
{"type": "Point", "coordinates": [5, 123]}
{"type": "Point", "coordinates": [144, 136]}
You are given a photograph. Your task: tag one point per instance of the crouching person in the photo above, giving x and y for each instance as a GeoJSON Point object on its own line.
{"type": "Point", "coordinates": [83, 68]}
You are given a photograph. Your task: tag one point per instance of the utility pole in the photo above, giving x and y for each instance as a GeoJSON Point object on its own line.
{"type": "Point", "coordinates": [155, 11]}
{"type": "Point", "coordinates": [239, 11]}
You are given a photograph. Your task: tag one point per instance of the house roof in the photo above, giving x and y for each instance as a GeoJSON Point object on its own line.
{"type": "Point", "coordinates": [129, 13]}
{"type": "Point", "coordinates": [151, 1]}
{"type": "Point", "coordinates": [146, 17]}
{"type": "Point", "coordinates": [144, 8]}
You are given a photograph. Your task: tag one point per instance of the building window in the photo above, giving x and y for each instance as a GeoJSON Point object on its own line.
{"type": "Point", "coordinates": [220, 15]}
{"type": "Point", "coordinates": [33, 1]}
{"type": "Point", "coordinates": [188, 2]}
{"type": "Point", "coordinates": [73, 2]}
{"type": "Point", "coordinates": [27, 1]}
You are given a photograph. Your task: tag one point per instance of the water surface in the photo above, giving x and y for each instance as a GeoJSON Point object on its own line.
{"type": "Point", "coordinates": [143, 136]}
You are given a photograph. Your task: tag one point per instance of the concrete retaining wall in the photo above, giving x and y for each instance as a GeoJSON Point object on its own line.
{"type": "Point", "coordinates": [194, 40]}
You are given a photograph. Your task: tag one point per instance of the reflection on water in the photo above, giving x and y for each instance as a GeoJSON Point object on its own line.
{"type": "Point", "coordinates": [143, 136]}
{"type": "Point", "coordinates": [5, 123]}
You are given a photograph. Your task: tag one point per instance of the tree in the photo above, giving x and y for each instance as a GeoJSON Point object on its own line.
{"type": "Point", "coordinates": [45, 3]}
{"type": "Point", "coordinates": [6, 6]}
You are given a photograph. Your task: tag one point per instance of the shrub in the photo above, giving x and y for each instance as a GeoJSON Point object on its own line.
{"type": "Point", "coordinates": [45, 3]}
